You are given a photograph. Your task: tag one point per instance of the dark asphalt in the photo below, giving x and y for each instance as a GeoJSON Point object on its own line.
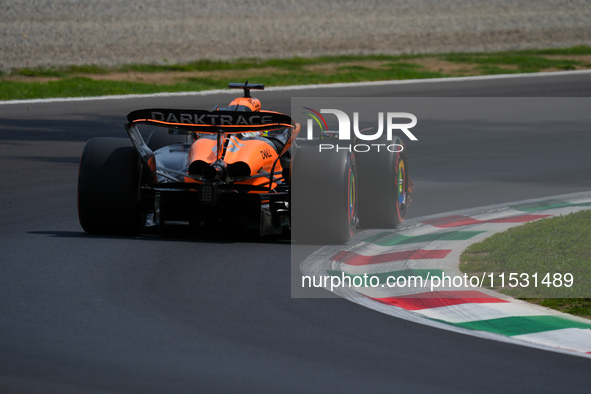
{"type": "Point", "coordinates": [149, 314]}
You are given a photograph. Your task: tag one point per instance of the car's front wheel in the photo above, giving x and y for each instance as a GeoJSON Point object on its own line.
{"type": "Point", "coordinates": [384, 187]}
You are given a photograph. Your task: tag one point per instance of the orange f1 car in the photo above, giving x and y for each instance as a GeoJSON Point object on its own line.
{"type": "Point", "coordinates": [235, 167]}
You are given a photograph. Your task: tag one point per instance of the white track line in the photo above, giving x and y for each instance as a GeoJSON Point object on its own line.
{"type": "Point", "coordinates": [303, 87]}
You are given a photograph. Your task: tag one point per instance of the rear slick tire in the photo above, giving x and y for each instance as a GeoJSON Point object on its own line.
{"type": "Point", "coordinates": [108, 187]}
{"type": "Point", "coordinates": [324, 196]}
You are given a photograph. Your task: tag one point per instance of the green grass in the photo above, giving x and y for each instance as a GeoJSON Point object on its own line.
{"type": "Point", "coordinates": [521, 62]}
{"type": "Point", "coordinates": [558, 245]}
{"type": "Point", "coordinates": [294, 63]}
{"type": "Point", "coordinates": [572, 51]}
{"type": "Point", "coordinates": [76, 87]}
{"type": "Point", "coordinates": [83, 86]}
{"type": "Point", "coordinates": [574, 306]}
{"type": "Point", "coordinates": [60, 72]}
{"type": "Point", "coordinates": [76, 81]}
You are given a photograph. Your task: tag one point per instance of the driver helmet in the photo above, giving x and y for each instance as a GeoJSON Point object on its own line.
{"type": "Point", "coordinates": [247, 104]}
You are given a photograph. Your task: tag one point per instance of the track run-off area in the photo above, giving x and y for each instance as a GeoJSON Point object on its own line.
{"type": "Point", "coordinates": [150, 314]}
{"type": "Point", "coordinates": [413, 273]}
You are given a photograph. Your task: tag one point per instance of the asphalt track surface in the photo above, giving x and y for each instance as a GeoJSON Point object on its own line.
{"type": "Point", "coordinates": [80, 313]}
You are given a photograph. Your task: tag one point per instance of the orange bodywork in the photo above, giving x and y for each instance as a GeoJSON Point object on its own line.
{"type": "Point", "coordinates": [257, 154]}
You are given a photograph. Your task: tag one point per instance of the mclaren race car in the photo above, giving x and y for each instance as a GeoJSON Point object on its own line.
{"type": "Point", "coordinates": [238, 167]}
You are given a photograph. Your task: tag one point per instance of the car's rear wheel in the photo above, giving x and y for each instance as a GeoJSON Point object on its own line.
{"type": "Point", "coordinates": [384, 187]}
{"type": "Point", "coordinates": [324, 196]}
{"type": "Point", "coordinates": [108, 187]}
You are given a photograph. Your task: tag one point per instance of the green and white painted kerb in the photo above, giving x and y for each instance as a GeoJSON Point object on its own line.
{"type": "Point", "coordinates": [430, 247]}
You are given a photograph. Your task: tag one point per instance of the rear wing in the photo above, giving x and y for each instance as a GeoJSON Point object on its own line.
{"type": "Point", "coordinates": [203, 121]}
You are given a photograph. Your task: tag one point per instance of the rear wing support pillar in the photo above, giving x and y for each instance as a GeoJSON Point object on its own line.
{"type": "Point", "coordinates": [143, 151]}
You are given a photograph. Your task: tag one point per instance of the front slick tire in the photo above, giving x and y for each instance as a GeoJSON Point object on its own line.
{"type": "Point", "coordinates": [324, 196]}
{"type": "Point", "coordinates": [108, 186]}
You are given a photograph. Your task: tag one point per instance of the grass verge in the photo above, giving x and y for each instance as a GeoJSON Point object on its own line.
{"type": "Point", "coordinates": [558, 245]}
{"type": "Point", "coordinates": [92, 80]}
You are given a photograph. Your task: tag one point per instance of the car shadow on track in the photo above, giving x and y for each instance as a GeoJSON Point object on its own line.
{"type": "Point", "coordinates": [177, 233]}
